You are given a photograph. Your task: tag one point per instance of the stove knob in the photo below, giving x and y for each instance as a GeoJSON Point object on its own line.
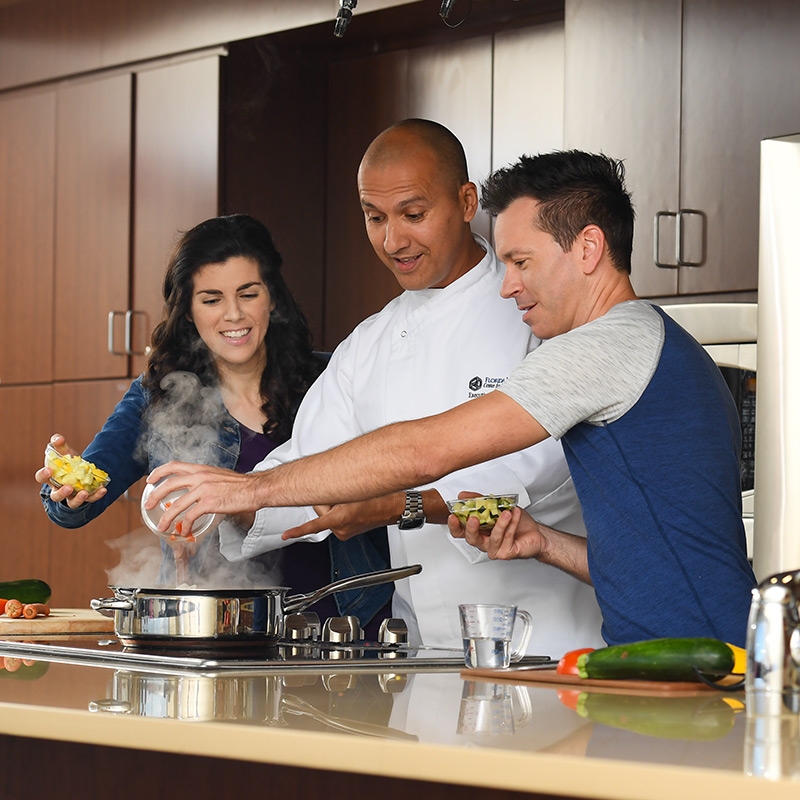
{"type": "Point", "coordinates": [342, 629]}
{"type": "Point", "coordinates": [312, 618]}
{"type": "Point", "coordinates": [301, 627]}
{"type": "Point", "coordinates": [393, 631]}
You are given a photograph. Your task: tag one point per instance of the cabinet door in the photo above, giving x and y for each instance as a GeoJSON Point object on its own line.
{"type": "Point", "coordinates": [27, 169]}
{"type": "Point", "coordinates": [452, 85]}
{"type": "Point", "coordinates": [357, 284]}
{"type": "Point", "coordinates": [741, 62]}
{"type": "Point", "coordinates": [527, 115]}
{"type": "Point", "coordinates": [79, 558]}
{"type": "Point", "coordinates": [176, 166]}
{"type": "Point", "coordinates": [92, 227]}
{"type": "Point", "coordinates": [622, 97]}
{"type": "Point", "coordinates": [24, 535]}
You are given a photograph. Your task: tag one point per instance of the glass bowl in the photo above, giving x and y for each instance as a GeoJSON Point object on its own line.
{"type": "Point", "coordinates": [152, 516]}
{"type": "Point", "coordinates": [486, 508]}
{"type": "Point", "coordinates": [74, 471]}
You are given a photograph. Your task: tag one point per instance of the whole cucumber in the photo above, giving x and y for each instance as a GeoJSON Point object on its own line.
{"type": "Point", "coordinates": [658, 660]}
{"type": "Point", "coordinates": [30, 590]}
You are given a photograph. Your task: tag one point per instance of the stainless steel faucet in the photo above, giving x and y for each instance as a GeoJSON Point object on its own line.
{"type": "Point", "coordinates": [773, 645]}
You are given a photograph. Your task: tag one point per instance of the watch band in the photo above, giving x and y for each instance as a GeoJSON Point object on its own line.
{"type": "Point", "coordinates": [413, 515]}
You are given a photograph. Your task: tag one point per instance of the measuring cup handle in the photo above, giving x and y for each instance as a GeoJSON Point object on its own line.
{"type": "Point", "coordinates": [527, 630]}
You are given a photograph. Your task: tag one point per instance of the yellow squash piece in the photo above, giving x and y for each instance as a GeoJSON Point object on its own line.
{"type": "Point", "coordinates": [75, 471]}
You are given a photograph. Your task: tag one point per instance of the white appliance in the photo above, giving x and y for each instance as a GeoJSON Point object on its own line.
{"type": "Point", "coordinates": [777, 456]}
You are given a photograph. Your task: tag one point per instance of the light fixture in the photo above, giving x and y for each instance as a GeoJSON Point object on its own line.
{"type": "Point", "coordinates": [446, 8]}
{"type": "Point", "coordinates": [343, 17]}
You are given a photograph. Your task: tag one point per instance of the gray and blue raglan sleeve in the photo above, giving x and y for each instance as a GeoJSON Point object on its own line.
{"type": "Point", "coordinates": [594, 373]}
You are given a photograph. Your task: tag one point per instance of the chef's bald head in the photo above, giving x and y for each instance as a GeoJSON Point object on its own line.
{"type": "Point", "coordinates": [404, 139]}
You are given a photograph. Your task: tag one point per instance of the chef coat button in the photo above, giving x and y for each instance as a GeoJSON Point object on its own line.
{"type": "Point", "coordinates": [404, 334]}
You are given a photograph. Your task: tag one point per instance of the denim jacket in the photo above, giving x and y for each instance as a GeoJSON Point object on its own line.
{"type": "Point", "coordinates": [114, 449]}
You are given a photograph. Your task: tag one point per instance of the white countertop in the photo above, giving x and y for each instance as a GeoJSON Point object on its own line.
{"type": "Point", "coordinates": [427, 726]}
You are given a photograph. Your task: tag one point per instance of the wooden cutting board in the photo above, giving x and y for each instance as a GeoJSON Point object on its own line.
{"type": "Point", "coordinates": [61, 620]}
{"type": "Point", "coordinates": [550, 676]}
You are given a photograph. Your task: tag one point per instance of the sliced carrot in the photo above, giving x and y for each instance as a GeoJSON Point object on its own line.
{"type": "Point", "coordinates": [32, 610]}
{"type": "Point", "coordinates": [13, 608]}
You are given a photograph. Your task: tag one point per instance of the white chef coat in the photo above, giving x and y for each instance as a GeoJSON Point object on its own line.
{"type": "Point", "coordinates": [425, 352]}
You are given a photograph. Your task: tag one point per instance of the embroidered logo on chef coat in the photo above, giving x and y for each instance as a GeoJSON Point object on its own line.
{"type": "Point", "coordinates": [486, 383]}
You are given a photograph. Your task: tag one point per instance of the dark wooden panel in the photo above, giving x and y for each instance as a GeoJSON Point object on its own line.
{"type": "Point", "coordinates": [365, 95]}
{"type": "Point", "coordinates": [274, 162]}
{"type": "Point", "coordinates": [124, 773]}
{"type": "Point", "coordinates": [79, 558]}
{"type": "Point", "coordinates": [176, 166]}
{"type": "Point", "coordinates": [47, 38]}
{"type": "Point", "coordinates": [27, 169]}
{"type": "Point", "coordinates": [92, 225]}
{"type": "Point", "coordinates": [25, 412]}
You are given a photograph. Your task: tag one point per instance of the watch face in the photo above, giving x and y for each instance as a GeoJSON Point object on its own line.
{"type": "Point", "coordinates": [409, 523]}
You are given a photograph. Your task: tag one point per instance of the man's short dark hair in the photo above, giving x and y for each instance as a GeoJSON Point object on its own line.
{"type": "Point", "coordinates": [574, 189]}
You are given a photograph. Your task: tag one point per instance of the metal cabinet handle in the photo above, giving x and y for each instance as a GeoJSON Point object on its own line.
{"type": "Point", "coordinates": [689, 212]}
{"type": "Point", "coordinates": [657, 239]}
{"type": "Point", "coordinates": [111, 317]}
{"type": "Point", "coordinates": [129, 315]}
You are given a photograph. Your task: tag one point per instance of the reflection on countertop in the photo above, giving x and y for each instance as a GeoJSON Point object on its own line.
{"type": "Point", "coordinates": [706, 736]}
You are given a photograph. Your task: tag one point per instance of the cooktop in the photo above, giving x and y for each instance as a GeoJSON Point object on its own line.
{"type": "Point", "coordinates": [316, 656]}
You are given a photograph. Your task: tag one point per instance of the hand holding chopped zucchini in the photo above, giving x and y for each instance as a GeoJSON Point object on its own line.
{"type": "Point", "coordinates": [487, 509]}
{"type": "Point", "coordinates": [74, 471]}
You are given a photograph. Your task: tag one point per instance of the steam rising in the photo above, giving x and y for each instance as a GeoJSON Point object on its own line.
{"type": "Point", "coordinates": [185, 426]}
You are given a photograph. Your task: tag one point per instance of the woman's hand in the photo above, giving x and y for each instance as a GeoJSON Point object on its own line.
{"type": "Point", "coordinates": [74, 499]}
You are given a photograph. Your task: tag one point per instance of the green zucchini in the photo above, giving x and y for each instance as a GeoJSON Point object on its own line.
{"type": "Point", "coordinates": [674, 717]}
{"type": "Point", "coordinates": [30, 590]}
{"type": "Point", "coordinates": [657, 660]}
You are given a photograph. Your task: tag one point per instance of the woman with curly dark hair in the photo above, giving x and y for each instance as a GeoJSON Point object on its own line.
{"type": "Point", "coordinates": [281, 366]}
{"type": "Point", "coordinates": [230, 363]}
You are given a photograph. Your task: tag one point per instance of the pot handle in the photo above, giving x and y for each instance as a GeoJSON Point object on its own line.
{"type": "Point", "coordinates": [108, 605]}
{"type": "Point", "coordinates": [298, 602]}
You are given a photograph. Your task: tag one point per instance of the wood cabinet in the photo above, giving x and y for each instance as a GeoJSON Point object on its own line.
{"type": "Point", "coordinates": [176, 167]}
{"type": "Point", "coordinates": [79, 559]}
{"type": "Point", "coordinates": [73, 562]}
{"type": "Point", "coordinates": [683, 91]}
{"type": "Point", "coordinates": [26, 411]}
{"type": "Point", "coordinates": [472, 86]}
{"type": "Point", "coordinates": [92, 226]}
{"type": "Point", "coordinates": [71, 156]}
{"type": "Point", "coordinates": [27, 191]}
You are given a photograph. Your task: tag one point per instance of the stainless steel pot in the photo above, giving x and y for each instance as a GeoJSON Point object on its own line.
{"type": "Point", "coordinates": [217, 616]}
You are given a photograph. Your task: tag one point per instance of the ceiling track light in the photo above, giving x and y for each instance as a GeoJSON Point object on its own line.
{"type": "Point", "coordinates": [446, 8]}
{"type": "Point", "coordinates": [343, 17]}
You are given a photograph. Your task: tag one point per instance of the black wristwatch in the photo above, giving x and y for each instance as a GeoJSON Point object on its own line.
{"type": "Point", "coordinates": [413, 516]}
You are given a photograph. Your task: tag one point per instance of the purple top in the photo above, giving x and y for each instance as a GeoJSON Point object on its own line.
{"type": "Point", "coordinates": [304, 566]}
